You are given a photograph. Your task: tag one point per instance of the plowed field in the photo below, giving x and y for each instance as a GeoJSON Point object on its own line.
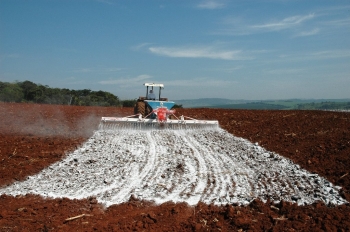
{"type": "Point", "coordinates": [264, 170]}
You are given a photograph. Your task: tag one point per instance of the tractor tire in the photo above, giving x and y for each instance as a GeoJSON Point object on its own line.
{"type": "Point", "coordinates": [148, 109]}
{"type": "Point", "coordinates": [140, 108]}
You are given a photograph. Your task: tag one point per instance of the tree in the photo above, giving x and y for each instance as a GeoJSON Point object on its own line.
{"type": "Point", "coordinates": [40, 92]}
{"type": "Point", "coordinates": [11, 93]}
{"type": "Point", "coordinates": [28, 89]}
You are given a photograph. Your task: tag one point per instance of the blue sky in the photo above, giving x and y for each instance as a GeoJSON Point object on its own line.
{"type": "Point", "coordinates": [248, 49]}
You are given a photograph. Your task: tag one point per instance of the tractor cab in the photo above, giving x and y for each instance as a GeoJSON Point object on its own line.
{"type": "Point", "coordinates": [150, 92]}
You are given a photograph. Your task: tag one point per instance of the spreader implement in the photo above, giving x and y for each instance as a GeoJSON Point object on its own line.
{"type": "Point", "coordinates": [161, 121]}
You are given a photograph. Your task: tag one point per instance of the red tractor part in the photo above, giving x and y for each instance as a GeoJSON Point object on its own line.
{"type": "Point", "coordinates": [162, 114]}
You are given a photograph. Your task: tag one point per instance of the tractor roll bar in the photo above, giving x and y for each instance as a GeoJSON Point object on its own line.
{"type": "Point", "coordinates": [161, 86]}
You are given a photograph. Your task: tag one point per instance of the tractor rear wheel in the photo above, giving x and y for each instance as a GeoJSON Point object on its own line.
{"type": "Point", "coordinates": [140, 108]}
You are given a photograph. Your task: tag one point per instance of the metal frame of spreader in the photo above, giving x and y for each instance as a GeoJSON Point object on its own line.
{"type": "Point", "coordinates": [138, 122]}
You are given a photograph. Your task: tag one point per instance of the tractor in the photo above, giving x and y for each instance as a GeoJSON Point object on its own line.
{"type": "Point", "coordinates": [145, 105]}
{"type": "Point", "coordinates": [151, 112]}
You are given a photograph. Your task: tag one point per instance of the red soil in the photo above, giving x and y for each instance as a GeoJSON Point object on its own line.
{"type": "Point", "coordinates": [35, 136]}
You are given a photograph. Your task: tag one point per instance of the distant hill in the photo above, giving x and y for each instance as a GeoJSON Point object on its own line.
{"type": "Point", "coordinates": [208, 102]}
{"type": "Point", "coordinates": [288, 104]}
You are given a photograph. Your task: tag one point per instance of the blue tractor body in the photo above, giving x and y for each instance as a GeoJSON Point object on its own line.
{"type": "Point", "coordinates": [155, 104]}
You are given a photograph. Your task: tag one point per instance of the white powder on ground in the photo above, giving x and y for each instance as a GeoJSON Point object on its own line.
{"type": "Point", "coordinates": [211, 166]}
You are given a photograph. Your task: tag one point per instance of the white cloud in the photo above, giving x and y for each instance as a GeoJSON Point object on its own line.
{"type": "Point", "coordinates": [238, 26]}
{"type": "Point", "coordinates": [126, 81]}
{"type": "Point", "coordinates": [284, 23]}
{"type": "Point", "coordinates": [199, 52]}
{"type": "Point", "coordinates": [211, 4]}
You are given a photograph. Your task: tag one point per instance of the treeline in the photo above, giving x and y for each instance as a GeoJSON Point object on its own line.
{"type": "Point", "coordinates": [28, 91]}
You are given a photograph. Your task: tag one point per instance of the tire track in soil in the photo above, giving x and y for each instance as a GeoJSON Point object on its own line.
{"type": "Point", "coordinates": [211, 166]}
{"type": "Point", "coordinates": [153, 177]}
{"type": "Point", "coordinates": [217, 183]}
{"type": "Point", "coordinates": [173, 151]}
{"type": "Point", "coordinates": [197, 187]}
{"type": "Point", "coordinates": [136, 176]}
{"type": "Point", "coordinates": [170, 157]}
{"type": "Point", "coordinates": [222, 190]}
